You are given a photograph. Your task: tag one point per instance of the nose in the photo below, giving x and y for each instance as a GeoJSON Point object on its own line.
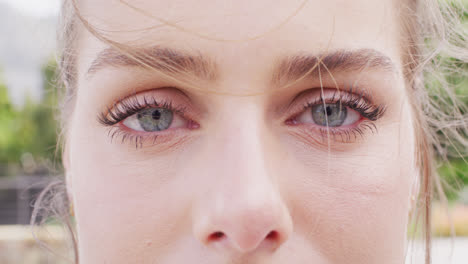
{"type": "Point", "coordinates": [243, 219]}
{"type": "Point", "coordinates": [241, 209]}
{"type": "Point", "coordinates": [246, 231]}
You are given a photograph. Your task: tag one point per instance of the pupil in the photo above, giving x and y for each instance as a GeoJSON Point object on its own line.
{"type": "Point", "coordinates": [156, 114]}
{"type": "Point", "coordinates": [329, 110]}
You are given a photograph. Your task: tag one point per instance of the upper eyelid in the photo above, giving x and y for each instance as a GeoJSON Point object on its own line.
{"type": "Point", "coordinates": [337, 95]}
{"type": "Point", "coordinates": [162, 91]}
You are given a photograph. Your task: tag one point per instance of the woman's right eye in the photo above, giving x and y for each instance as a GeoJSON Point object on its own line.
{"type": "Point", "coordinates": [154, 119]}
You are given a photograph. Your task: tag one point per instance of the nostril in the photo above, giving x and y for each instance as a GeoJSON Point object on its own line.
{"type": "Point", "coordinates": [273, 235]}
{"type": "Point", "coordinates": [216, 236]}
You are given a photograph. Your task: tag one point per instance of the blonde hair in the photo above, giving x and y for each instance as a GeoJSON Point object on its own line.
{"type": "Point", "coordinates": [433, 33]}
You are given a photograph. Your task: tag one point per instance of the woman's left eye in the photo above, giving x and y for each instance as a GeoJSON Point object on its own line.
{"type": "Point", "coordinates": [329, 114]}
{"type": "Point", "coordinates": [154, 119]}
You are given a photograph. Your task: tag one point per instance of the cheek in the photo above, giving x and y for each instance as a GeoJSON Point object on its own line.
{"type": "Point", "coordinates": [353, 202]}
{"type": "Point", "coordinates": [381, 164]}
{"type": "Point", "coordinates": [353, 228]}
{"type": "Point", "coordinates": [119, 194]}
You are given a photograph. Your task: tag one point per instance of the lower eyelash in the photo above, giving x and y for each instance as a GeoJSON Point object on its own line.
{"type": "Point", "coordinates": [131, 138]}
{"type": "Point", "coordinates": [347, 135]}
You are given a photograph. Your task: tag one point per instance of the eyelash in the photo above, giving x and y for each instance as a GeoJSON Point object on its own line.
{"type": "Point", "coordinates": [368, 111]}
{"type": "Point", "coordinates": [130, 106]}
{"type": "Point", "coordinates": [127, 107]}
{"type": "Point", "coordinates": [356, 102]}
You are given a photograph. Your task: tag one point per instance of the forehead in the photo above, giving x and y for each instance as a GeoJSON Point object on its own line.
{"type": "Point", "coordinates": [245, 34]}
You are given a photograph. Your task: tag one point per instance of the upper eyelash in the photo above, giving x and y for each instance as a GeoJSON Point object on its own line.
{"type": "Point", "coordinates": [131, 105]}
{"type": "Point", "coordinates": [359, 103]}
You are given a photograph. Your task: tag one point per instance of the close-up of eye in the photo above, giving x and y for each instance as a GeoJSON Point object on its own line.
{"type": "Point", "coordinates": [343, 115]}
{"type": "Point", "coordinates": [139, 119]}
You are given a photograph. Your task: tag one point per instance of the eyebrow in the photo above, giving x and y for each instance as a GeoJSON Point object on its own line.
{"type": "Point", "coordinates": [166, 60]}
{"type": "Point", "coordinates": [305, 65]}
{"type": "Point", "coordinates": [286, 69]}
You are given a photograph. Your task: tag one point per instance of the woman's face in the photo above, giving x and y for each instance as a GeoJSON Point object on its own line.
{"type": "Point", "coordinates": [227, 158]}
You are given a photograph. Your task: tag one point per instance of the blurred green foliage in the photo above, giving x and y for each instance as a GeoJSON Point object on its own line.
{"type": "Point", "coordinates": [28, 133]}
{"type": "Point", "coordinates": [455, 176]}
{"type": "Point", "coordinates": [454, 173]}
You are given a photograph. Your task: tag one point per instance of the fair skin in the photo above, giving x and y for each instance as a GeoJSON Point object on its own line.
{"type": "Point", "coordinates": [237, 178]}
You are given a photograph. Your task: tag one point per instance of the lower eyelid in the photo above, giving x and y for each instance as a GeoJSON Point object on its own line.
{"type": "Point", "coordinates": [318, 135]}
{"type": "Point", "coordinates": [120, 134]}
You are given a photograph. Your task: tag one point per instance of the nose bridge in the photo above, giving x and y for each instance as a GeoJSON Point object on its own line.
{"type": "Point", "coordinates": [243, 209]}
{"type": "Point", "coordinates": [241, 154]}
{"type": "Point", "coordinates": [241, 143]}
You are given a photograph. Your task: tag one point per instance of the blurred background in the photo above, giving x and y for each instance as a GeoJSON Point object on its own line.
{"type": "Point", "coordinates": [28, 129]}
